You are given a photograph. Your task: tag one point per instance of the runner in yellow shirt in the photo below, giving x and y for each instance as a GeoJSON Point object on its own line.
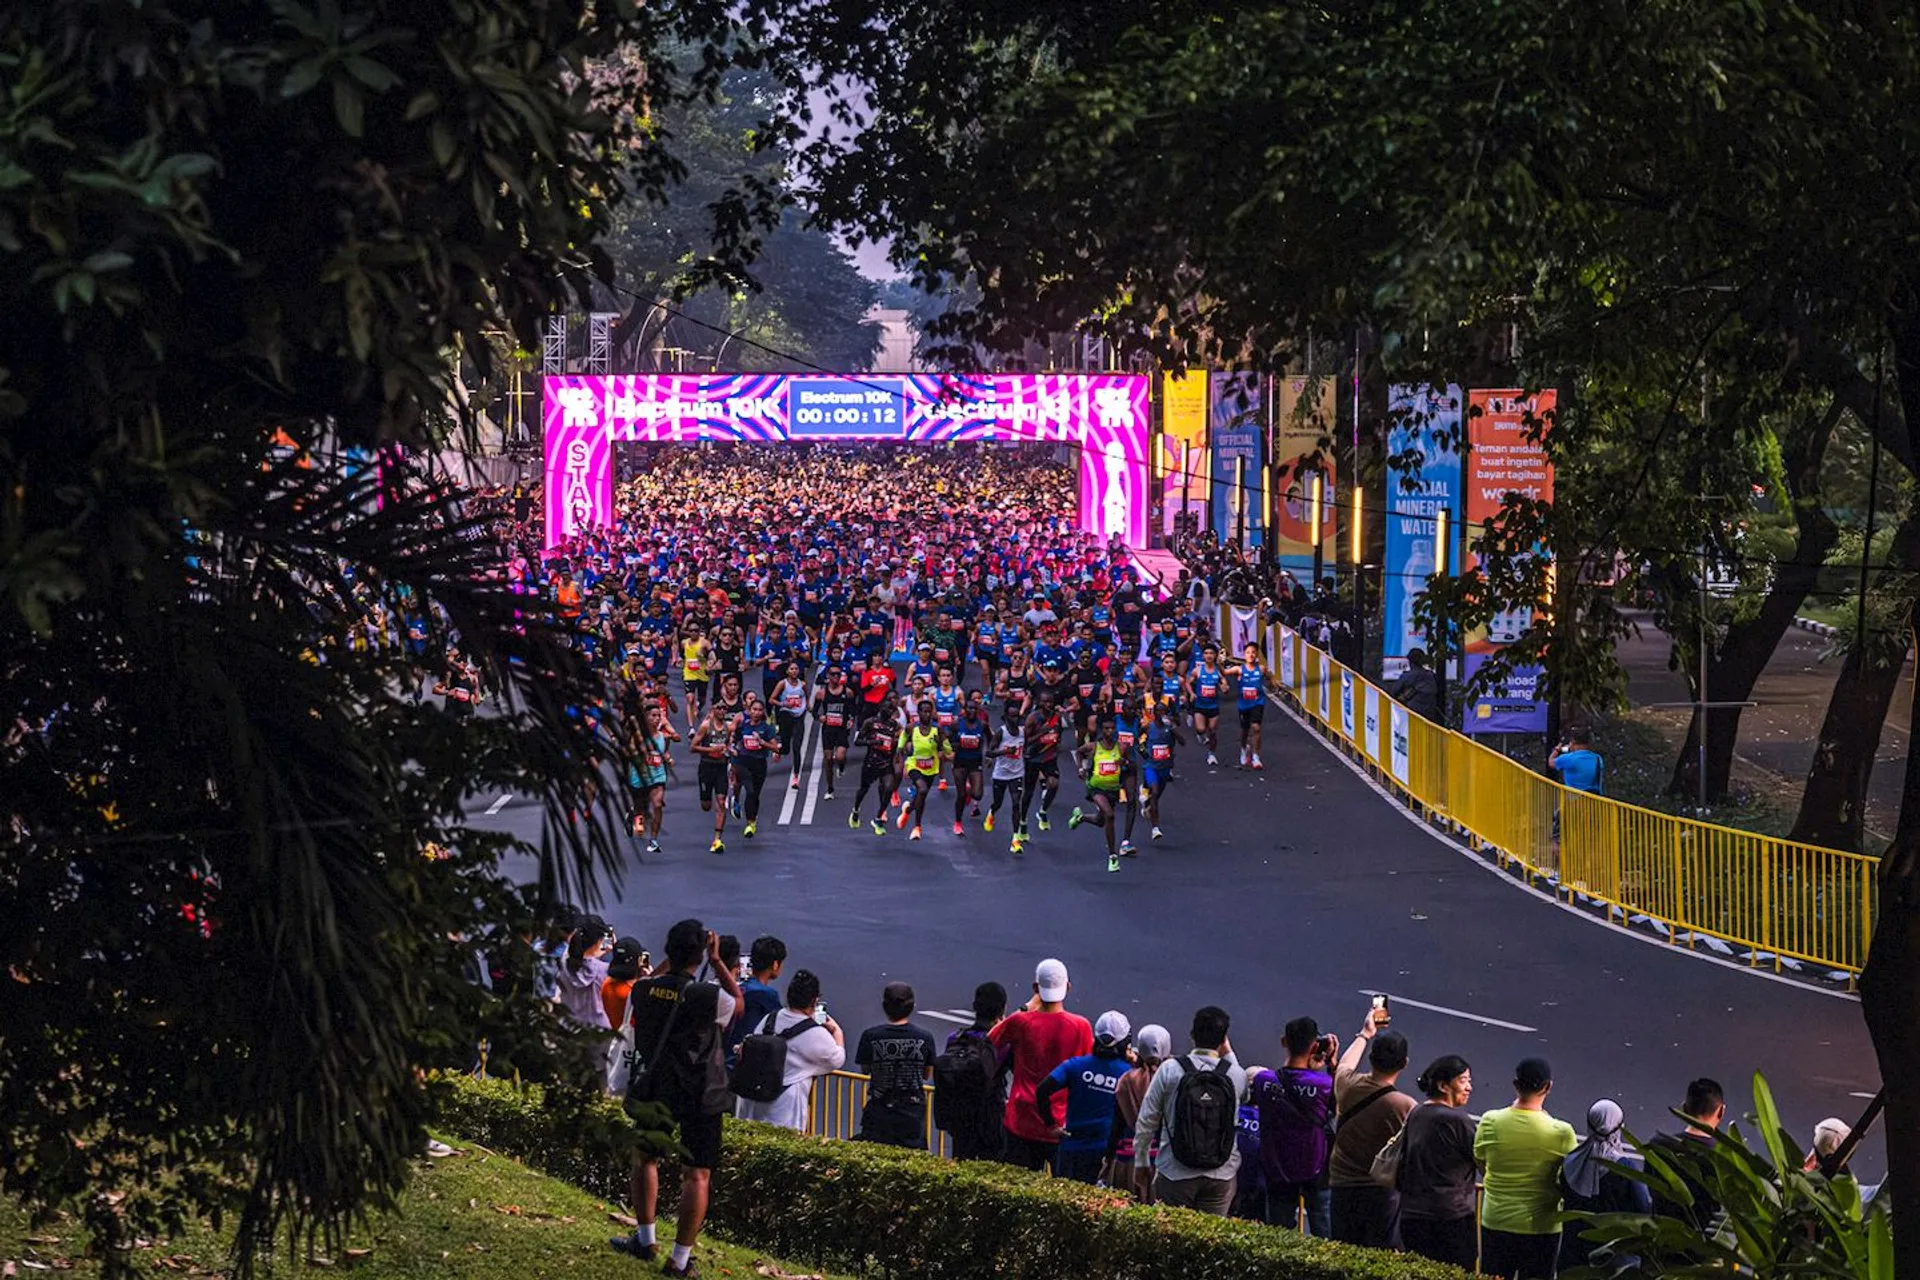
{"type": "Point", "coordinates": [1104, 764]}
{"type": "Point", "coordinates": [923, 747]}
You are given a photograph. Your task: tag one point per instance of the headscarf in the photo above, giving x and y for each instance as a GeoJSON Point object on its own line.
{"type": "Point", "coordinates": [1583, 1168]}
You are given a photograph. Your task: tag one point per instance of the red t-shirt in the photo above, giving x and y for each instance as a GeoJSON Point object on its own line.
{"type": "Point", "coordinates": [1039, 1041]}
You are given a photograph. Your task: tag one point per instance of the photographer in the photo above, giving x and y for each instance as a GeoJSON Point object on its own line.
{"type": "Point", "coordinates": [1578, 765]}
{"type": "Point", "coordinates": [1296, 1123]}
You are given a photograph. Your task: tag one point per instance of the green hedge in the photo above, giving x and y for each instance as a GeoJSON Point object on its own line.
{"type": "Point", "coordinates": [886, 1212]}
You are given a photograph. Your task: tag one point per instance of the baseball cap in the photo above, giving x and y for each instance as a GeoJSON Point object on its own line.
{"type": "Point", "coordinates": [1532, 1075]}
{"type": "Point", "coordinates": [1112, 1026]}
{"type": "Point", "coordinates": [1051, 977]}
{"type": "Point", "coordinates": [1153, 1041]}
{"type": "Point", "coordinates": [623, 962]}
{"type": "Point", "coordinates": [1829, 1134]}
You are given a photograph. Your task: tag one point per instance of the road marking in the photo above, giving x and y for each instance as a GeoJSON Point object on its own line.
{"type": "Point", "coordinates": [498, 805]}
{"type": "Point", "coordinates": [948, 1017]}
{"type": "Point", "coordinates": [793, 793]}
{"type": "Point", "coordinates": [817, 775]}
{"type": "Point", "coordinates": [1451, 1013]}
{"type": "Point", "coordinates": [965, 1013]}
{"type": "Point", "coordinates": [1868, 1096]}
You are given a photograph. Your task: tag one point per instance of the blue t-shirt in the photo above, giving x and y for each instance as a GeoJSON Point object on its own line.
{"type": "Point", "coordinates": [757, 1000]}
{"type": "Point", "coordinates": [1582, 770]}
{"type": "Point", "coordinates": [1090, 1082]}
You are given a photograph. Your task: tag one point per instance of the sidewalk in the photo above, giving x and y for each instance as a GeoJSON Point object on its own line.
{"type": "Point", "coordinates": [1778, 735]}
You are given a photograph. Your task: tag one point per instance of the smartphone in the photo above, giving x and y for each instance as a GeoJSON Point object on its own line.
{"type": "Point", "coordinates": [820, 1013]}
{"type": "Point", "coordinates": [1384, 1009]}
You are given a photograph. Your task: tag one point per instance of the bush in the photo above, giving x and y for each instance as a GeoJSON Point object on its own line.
{"type": "Point", "coordinates": [884, 1211]}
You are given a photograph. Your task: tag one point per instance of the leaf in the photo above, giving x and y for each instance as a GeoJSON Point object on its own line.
{"type": "Point", "coordinates": [349, 108]}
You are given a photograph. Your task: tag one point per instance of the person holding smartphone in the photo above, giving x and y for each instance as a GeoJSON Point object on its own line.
{"type": "Point", "coordinates": [1368, 1110]}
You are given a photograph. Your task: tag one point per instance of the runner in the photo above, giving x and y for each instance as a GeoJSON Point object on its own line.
{"type": "Point", "coordinates": [1157, 768]}
{"type": "Point", "coordinates": [833, 708]}
{"type": "Point", "coordinates": [968, 737]}
{"type": "Point", "coordinates": [880, 766]}
{"type": "Point", "coordinates": [1102, 765]}
{"type": "Point", "coordinates": [1252, 679]}
{"type": "Point", "coordinates": [1204, 681]}
{"type": "Point", "coordinates": [1009, 774]}
{"type": "Point", "coordinates": [712, 739]}
{"type": "Point", "coordinates": [752, 740]}
{"type": "Point", "coordinates": [648, 770]}
{"type": "Point", "coordinates": [925, 747]}
{"type": "Point", "coordinates": [1041, 732]}
{"type": "Point", "coordinates": [789, 703]}
{"type": "Point", "coordinates": [947, 700]}
{"type": "Point", "coordinates": [694, 653]}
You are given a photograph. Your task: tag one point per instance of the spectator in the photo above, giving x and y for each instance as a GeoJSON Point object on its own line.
{"type": "Point", "coordinates": [1250, 1188]}
{"type": "Point", "coordinates": [1588, 1185]}
{"type": "Point", "coordinates": [1417, 688]}
{"type": "Point", "coordinates": [759, 997]}
{"type": "Point", "coordinates": [1705, 1108]}
{"type": "Point", "coordinates": [1369, 1109]}
{"type": "Point", "coordinates": [898, 1059]}
{"type": "Point", "coordinates": [1296, 1118]}
{"type": "Point", "coordinates": [969, 1087]}
{"type": "Point", "coordinates": [1090, 1081]}
{"type": "Point", "coordinates": [678, 1026]}
{"type": "Point", "coordinates": [582, 972]}
{"type": "Point", "coordinates": [1437, 1168]}
{"type": "Point", "coordinates": [809, 1055]}
{"type": "Point", "coordinates": [1520, 1147]}
{"type": "Point", "coordinates": [1580, 767]}
{"type": "Point", "coordinates": [1152, 1045]}
{"type": "Point", "coordinates": [626, 963]}
{"type": "Point", "coordinates": [1039, 1038]}
{"type": "Point", "coordinates": [1827, 1137]}
{"type": "Point", "coordinates": [1172, 1115]}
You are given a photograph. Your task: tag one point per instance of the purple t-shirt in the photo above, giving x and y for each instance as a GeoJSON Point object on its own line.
{"type": "Point", "coordinates": [1295, 1107]}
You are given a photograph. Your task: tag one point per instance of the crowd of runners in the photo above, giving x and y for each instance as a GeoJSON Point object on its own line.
{"type": "Point", "coordinates": [935, 613]}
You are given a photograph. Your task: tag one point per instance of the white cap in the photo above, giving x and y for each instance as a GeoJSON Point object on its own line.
{"type": "Point", "coordinates": [1153, 1041]}
{"type": "Point", "coordinates": [1051, 977]}
{"type": "Point", "coordinates": [1829, 1134]}
{"type": "Point", "coordinates": [1113, 1026]}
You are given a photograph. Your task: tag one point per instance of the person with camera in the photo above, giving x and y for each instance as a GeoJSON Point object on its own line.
{"type": "Point", "coordinates": [1296, 1127]}
{"type": "Point", "coordinates": [1369, 1110]}
{"type": "Point", "coordinates": [679, 1024]}
{"type": "Point", "coordinates": [815, 1046]}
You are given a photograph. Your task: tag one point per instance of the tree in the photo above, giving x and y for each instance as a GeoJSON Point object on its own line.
{"type": "Point", "coordinates": [1204, 182]}
{"type": "Point", "coordinates": [242, 245]}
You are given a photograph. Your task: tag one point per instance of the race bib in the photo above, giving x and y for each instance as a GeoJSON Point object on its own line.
{"type": "Point", "coordinates": [833, 720]}
{"type": "Point", "coordinates": [1161, 751]}
{"type": "Point", "coordinates": [970, 741]}
{"type": "Point", "coordinates": [942, 654]}
{"type": "Point", "coordinates": [695, 666]}
{"type": "Point", "coordinates": [945, 719]}
{"type": "Point", "coordinates": [794, 702]}
{"type": "Point", "coordinates": [1125, 739]}
{"type": "Point", "coordinates": [1106, 768]}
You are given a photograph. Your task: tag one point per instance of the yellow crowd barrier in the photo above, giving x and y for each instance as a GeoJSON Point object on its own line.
{"type": "Point", "coordinates": [1776, 899]}
{"type": "Point", "coordinates": [835, 1102]}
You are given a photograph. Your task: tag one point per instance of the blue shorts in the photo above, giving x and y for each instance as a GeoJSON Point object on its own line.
{"type": "Point", "coordinates": [1153, 777]}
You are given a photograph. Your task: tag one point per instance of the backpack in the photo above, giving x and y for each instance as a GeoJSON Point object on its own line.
{"type": "Point", "coordinates": [963, 1080]}
{"type": "Point", "coordinates": [760, 1070]}
{"type": "Point", "coordinates": [1206, 1109]}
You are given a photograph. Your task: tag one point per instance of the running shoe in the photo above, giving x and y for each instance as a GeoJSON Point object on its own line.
{"type": "Point", "coordinates": [717, 846]}
{"type": "Point", "coordinates": [1157, 833]}
{"type": "Point", "coordinates": [915, 833]}
{"type": "Point", "coordinates": [1019, 846]}
{"type": "Point", "coordinates": [753, 829]}
{"type": "Point", "coordinates": [959, 830]}
{"type": "Point", "coordinates": [829, 793]}
{"type": "Point", "coordinates": [1213, 759]}
{"type": "Point", "coordinates": [653, 846]}
{"type": "Point", "coordinates": [1257, 764]}
{"type": "Point", "coordinates": [905, 815]}
{"type": "Point", "coordinates": [1044, 824]}
{"type": "Point", "coordinates": [989, 822]}
{"type": "Point", "coordinates": [853, 820]}
{"type": "Point", "coordinates": [1074, 819]}
{"type": "Point", "coordinates": [879, 827]}
{"type": "Point", "coordinates": [634, 826]}
{"type": "Point", "coordinates": [1113, 862]}
{"type": "Point", "coordinates": [974, 811]}
{"type": "Point", "coordinates": [633, 1247]}
{"type": "Point", "coordinates": [943, 784]}
{"type": "Point", "coordinates": [1127, 850]}
{"type": "Point", "coordinates": [795, 784]}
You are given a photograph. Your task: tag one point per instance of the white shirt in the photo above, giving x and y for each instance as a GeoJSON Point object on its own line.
{"type": "Point", "coordinates": [809, 1054]}
{"type": "Point", "coordinates": [1012, 766]}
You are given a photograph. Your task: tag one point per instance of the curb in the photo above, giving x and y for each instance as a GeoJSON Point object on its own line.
{"type": "Point", "coordinates": [1817, 628]}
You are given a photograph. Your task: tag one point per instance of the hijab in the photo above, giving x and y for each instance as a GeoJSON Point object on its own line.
{"type": "Point", "coordinates": [1584, 1168]}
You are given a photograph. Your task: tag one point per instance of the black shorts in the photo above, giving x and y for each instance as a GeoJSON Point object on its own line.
{"type": "Point", "coordinates": [1038, 769]}
{"type": "Point", "coordinates": [713, 780]}
{"type": "Point", "coordinates": [961, 764]}
{"type": "Point", "coordinates": [1252, 715]}
{"type": "Point", "coordinates": [875, 767]}
{"type": "Point", "coordinates": [700, 1135]}
{"type": "Point", "coordinates": [697, 690]}
{"type": "Point", "coordinates": [834, 739]}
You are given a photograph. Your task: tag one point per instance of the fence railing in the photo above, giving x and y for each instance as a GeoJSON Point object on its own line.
{"type": "Point", "coordinates": [1777, 899]}
{"type": "Point", "coordinates": [835, 1102]}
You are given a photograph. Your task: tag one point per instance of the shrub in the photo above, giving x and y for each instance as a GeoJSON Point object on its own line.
{"type": "Point", "coordinates": [885, 1211]}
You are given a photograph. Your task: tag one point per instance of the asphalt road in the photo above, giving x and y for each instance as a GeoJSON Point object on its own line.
{"type": "Point", "coordinates": [1779, 733]}
{"type": "Point", "coordinates": [1275, 894]}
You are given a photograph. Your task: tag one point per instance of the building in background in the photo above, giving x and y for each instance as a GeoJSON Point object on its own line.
{"type": "Point", "coordinates": [899, 336]}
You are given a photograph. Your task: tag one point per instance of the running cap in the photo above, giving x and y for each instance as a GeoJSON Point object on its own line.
{"type": "Point", "coordinates": [1532, 1075]}
{"type": "Point", "coordinates": [1051, 977]}
{"type": "Point", "coordinates": [1113, 1026]}
{"type": "Point", "coordinates": [1153, 1041]}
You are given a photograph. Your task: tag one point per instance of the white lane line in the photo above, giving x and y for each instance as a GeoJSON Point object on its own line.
{"type": "Point", "coordinates": [816, 775]}
{"type": "Point", "coordinates": [793, 793]}
{"type": "Point", "coordinates": [947, 1017]}
{"type": "Point", "coordinates": [498, 805]}
{"type": "Point", "coordinates": [1451, 1013]}
{"type": "Point", "coordinates": [965, 1013]}
{"type": "Point", "coordinates": [1868, 1096]}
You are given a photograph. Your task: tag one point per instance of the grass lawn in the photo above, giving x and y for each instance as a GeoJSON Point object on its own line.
{"type": "Point", "coordinates": [474, 1215]}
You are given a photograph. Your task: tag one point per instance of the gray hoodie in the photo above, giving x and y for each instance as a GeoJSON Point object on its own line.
{"type": "Point", "coordinates": [580, 991]}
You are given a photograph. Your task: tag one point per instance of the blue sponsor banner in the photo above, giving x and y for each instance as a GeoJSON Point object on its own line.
{"type": "Point", "coordinates": [1423, 447]}
{"type": "Point", "coordinates": [1237, 433]}
{"type": "Point", "coordinates": [1515, 707]}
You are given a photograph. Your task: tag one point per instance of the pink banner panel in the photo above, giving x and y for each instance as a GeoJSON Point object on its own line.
{"type": "Point", "coordinates": [1103, 416]}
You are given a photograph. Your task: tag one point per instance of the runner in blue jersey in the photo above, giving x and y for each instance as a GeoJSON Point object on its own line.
{"type": "Point", "coordinates": [989, 645]}
{"type": "Point", "coordinates": [1156, 762]}
{"type": "Point", "coordinates": [947, 702]}
{"type": "Point", "coordinates": [1205, 680]}
{"type": "Point", "coordinates": [1251, 675]}
{"type": "Point", "coordinates": [969, 739]}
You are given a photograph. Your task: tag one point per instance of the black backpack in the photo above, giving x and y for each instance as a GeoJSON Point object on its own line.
{"type": "Point", "coordinates": [1205, 1107]}
{"type": "Point", "coordinates": [760, 1070]}
{"type": "Point", "coordinates": [963, 1080]}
